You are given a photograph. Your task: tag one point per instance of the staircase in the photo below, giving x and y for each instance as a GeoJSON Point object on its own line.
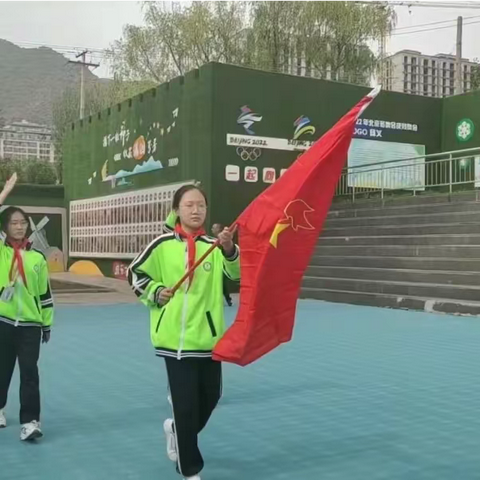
{"type": "Point", "coordinates": [419, 253]}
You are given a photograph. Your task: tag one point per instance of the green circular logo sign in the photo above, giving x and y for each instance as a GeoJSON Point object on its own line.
{"type": "Point", "coordinates": [464, 130]}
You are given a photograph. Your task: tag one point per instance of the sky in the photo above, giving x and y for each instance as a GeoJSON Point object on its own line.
{"type": "Point", "coordinates": [98, 24]}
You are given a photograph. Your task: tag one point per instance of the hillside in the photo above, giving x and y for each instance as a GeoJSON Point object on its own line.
{"type": "Point", "coordinates": [30, 79]}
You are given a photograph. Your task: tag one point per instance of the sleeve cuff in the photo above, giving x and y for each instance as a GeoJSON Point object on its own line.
{"type": "Point", "coordinates": [153, 299]}
{"type": "Point", "coordinates": [232, 257]}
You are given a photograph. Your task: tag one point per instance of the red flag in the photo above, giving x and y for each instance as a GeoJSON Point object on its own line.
{"type": "Point", "coordinates": [278, 232]}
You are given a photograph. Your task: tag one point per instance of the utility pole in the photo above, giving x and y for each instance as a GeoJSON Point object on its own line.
{"type": "Point", "coordinates": [383, 42]}
{"type": "Point", "coordinates": [458, 77]}
{"type": "Point", "coordinates": [83, 65]}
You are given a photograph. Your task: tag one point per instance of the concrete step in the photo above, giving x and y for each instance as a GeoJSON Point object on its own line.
{"type": "Point", "coordinates": [400, 289]}
{"type": "Point", "coordinates": [414, 252]}
{"type": "Point", "coordinates": [412, 219]}
{"type": "Point", "coordinates": [433, 229]}
{"type": "Point", "coordinates": [448, 251]}
{"type": "Point", "coordinates": [399, 275]}
{"type": "Point", "coordinates": [389, 211]}
{"type": "Point", "coordinates": [452, 239]}
{"type": "Point", "coordinates": [431, 305]}
{"type": "Point", "coordinates": [404, 263]}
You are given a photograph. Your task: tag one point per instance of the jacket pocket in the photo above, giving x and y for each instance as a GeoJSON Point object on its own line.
{"type": "Point", "coordinates": [38, 306]}
{"type": "Point", "coordinates": [210, 324]}
{"type": "Point", "coordinates": [160, 320]}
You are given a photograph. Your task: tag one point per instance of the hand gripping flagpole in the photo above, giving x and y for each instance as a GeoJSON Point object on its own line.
{"type": "Point", "coordinates": [232, 229]}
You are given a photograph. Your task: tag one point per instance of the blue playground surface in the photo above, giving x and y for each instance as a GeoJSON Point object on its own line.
{"type": "Point", "coordinates": [359, 394]}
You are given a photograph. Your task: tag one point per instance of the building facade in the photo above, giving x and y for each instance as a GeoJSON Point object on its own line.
{"type": "Point", "coordinates": [409, 71]}
{"type": "Point", "coordinates": [22, 140]}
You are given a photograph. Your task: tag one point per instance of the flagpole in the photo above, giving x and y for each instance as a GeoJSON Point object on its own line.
{"type": "Point", "coordinates": [231, 229]}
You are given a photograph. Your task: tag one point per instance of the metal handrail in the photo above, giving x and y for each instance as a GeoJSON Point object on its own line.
{"type": "Point", "coordinates": [451, 169]}
{"type": "Point", "coordinates": [420, 157]}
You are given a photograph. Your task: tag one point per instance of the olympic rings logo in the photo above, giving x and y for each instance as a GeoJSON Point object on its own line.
{"type": "Point", "coordinates": [249, 153]}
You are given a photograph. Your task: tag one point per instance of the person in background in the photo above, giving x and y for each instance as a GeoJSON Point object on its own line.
{"type": "Point", "coordinates": [26, 314]}
{"type": "Point", "coordinates": [186, 325]}
{"type": "Point", "coordinates": [217, 229]}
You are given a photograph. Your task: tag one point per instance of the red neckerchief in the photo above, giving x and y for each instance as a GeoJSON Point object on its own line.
{"type": "Point", "coordinates": [17, 260]}
{"type": "Point", "coordinates": [191, 247]}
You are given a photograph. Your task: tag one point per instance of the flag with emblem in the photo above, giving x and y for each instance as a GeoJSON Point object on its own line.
{"type": "Point", "coordinates": [277, 234]}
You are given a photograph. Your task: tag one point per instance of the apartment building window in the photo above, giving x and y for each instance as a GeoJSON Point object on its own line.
{"type": "Point", "coordinates": [414, 66]}
{"type": "Point", "coordinates": [425, 67]}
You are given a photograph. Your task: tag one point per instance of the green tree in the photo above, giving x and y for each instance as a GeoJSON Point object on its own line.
{"type": "Point", "coordinates": [178, 38]}
{"type": "Point", "coordinates": [475, 75]}
{"type": "Point", "coordinates": [343, 30]}
{"type": "Point", "coordinates": [323, 39]}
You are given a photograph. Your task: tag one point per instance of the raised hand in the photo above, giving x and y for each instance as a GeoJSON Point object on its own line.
{"type": "Point", "coordinates": [8, 187]}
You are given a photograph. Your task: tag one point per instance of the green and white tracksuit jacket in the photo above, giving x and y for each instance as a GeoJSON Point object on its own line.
{"type": "Point", "coordinates": [32, 304]}
{"type": "Point", "coordinates": [192, 322]}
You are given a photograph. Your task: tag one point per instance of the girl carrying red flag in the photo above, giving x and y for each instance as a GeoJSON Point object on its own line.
{"type": "Point", "coordinates": [185, 326]}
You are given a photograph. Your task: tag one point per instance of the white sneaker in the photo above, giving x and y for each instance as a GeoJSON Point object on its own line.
{"type": "Point", "coordinates": [30, 431]}
{"type": "Point", "coordinates": [171, 441]}
{"type": "Point", "coordinates": [3, 420]}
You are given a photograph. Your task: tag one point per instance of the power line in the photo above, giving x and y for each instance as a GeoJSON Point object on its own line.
{"type": "Point", "coordinates": [68, 48]}
{"type": "Point", "coordinates": [457, 5]}
{"type": "Point", "coordinates": [433, 23]}
{"type": "Point", "coordinates": [431, 29]}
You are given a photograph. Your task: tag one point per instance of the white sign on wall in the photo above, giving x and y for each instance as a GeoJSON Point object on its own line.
{"type": "Point", "coordinates": [232, 173]}
{"type": "Point", "coordinates": [409, 174]}
{"type": "Point", "coordinates": [271, 143]}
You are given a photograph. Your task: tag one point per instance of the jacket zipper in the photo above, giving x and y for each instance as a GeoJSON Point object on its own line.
{"type": "Point", "coordinates": [19, 302]}
{"type": "Point", "coordinates": [17, 288]}
{"type": "Point", "coordinates": [184, 310]}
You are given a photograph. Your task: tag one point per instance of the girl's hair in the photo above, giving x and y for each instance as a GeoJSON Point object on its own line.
{"type": "Point", "coordinates": [182, 191]}
{"type": "Point", "coordinates": [7, 214]}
